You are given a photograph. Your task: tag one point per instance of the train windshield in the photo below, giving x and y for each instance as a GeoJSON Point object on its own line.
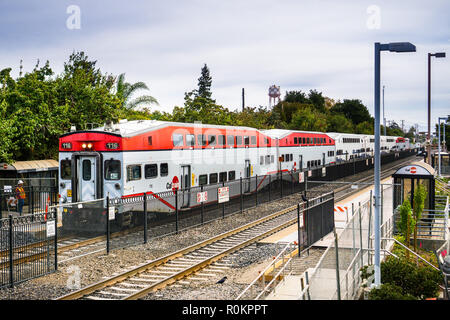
{"type": "Point", "coordinates": [66, 169]}
{"type": "Point", "coordinates": [112, 170]}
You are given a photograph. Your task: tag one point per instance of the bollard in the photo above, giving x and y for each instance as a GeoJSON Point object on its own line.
{"type": "Point", "coordinates": [107, 225]}
{"type": "Point", "coordinates": [256, 191]}
{"type": "Point", "coordinates": [242, 199]}
{"type": "Point", "coordinates": [176, 211]}
{"type": "Point", "coordinates": [202, 208]}
{"type": "Point", "coordinates": [56, 237]}
{"type": "Point", "coordinates": [270, 185]}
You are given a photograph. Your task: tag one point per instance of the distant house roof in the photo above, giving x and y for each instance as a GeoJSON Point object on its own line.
{"type": "Point", "coordinates": [30, 166]}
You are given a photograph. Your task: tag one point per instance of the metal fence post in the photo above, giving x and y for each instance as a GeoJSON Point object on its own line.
{"type": "Point", "coordinates": [223, 204]}
{"type": "Point", "coordinates": [176, 211]}
{"type": "Point", "coordinates": [145, 218]}
{"type": "Point", "coordinates": [270, 187]}
{"type": "Point", "coordinates": [298, 226]}
{"type": "Point", "coordinates": [242, 195]}
{"type": "Point", "coordinates": [11, 261]}
{"type": "Point", "coordinates": [56, 237]}
{"type": "Point", "coordinates": [338, 280]}
{"type": "Point", "coordinates": [107, 225]}
{"type": "Point", "coordinates": [281, 183]}
{"type": "Point", "coordinates": [202, 208]}
{"type": "Point", "coordinates": [292, 181]}
{"type": "Point", "coordinates": [360, 236]}
{"type": "Point", "coordinates": [31, 200]}
{"type": "Point", "coordinates": [256, 191]}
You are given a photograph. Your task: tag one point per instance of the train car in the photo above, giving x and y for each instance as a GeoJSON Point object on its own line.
{"type": "Point", "coordinates": [350, 146]}
{"type": "Point", "coordinates": [302, 149]}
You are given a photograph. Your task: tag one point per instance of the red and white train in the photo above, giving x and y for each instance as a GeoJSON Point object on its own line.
{"type": "Point", "coordinates": [132, 157]}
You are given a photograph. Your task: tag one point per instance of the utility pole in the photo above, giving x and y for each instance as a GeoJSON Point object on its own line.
{"type": "Point", "coordinates": [403, 125]}
{"type": "Point", "coordinates": [384, 118]}
{"type": "Point", "coordinates": [243, 99]}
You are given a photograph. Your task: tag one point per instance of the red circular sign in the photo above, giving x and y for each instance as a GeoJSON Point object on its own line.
{"type": "Point", "coordinates": [175, 184]}
{"type": "Point", "coordinates": [413, 170]}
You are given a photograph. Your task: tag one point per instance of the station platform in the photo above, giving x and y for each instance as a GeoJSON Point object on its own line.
{"type": "Point", "coordinates": [289, 288]}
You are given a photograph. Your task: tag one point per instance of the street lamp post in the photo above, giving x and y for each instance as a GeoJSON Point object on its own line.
{"type": "Point", "coordinates": [437, 55]}
{"type": "Point", "coordinates": [392, 47]}
{"type": "Point", "coordinates": [384, 118]}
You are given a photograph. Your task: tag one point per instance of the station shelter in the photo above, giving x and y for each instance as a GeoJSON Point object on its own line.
{"type": "Point", "coordinates": [36, 173]}
{"type": "Point", "coordinates": [406, 180]}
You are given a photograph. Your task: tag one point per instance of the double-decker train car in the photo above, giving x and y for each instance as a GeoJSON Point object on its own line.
{"type": "Point", "coordinates": [130, 158]}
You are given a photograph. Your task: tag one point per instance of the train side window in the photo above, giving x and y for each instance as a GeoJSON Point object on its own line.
{"type": "Point", "coordinates": [213, 178]}
{"type": "Point", "coordinates": [295, 140]}
{"type": "Point", "coordinates": [246, 140]}
{"type": "Point", "coordinates": [151, 171]}
{"type": "Point", "coordinates": [223, 177]}
{"type": "Point", "coordinates": [87, 170]}
{"type": "Point", "coordinates": [150, 140]}
{"type": "Point", "coordinates": [201, 140]}
{"type": "Point", "coordinates": [190, 140]}
{"type": "Point", "coordinates": [253, 140]}
{"type": "Point", "coordinates": [112, 169]}
{"type": "Point", "coordinates": [177, 140]}
{"type": "Point", "coordinates": [238, 140]}
{"type": "Point", "coordinates": [203, 179]}
{"type": "Point", "coordinates": [261, 160]}
{"type": "Point", "coordinates": [231, 175]}
{"type": "Point", "coordinates": [134, 172]}
{"type": "Point", "coordinates": [66, 169]}
{"type": "Point", "coordinates": [268, 159]}
{"type": "Point", "coordinates": [221, 140]}
{"type": "Point", "coordinates": [230, 141]}
{"type": "Point", "coordinates": [212, 140]}
{"type": "Point", "coordinates": [164, 169]}
{"type": "Point", "coordinates": [266, 141]}
{"type": "Point", "coordinates": [272, 158]}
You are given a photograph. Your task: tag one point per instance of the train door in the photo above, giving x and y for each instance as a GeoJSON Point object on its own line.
{"type": "Point", "coordinates": [185, 185]}
{"type": "Point", "coordinates": [248, 175]}
{"type": "Point", "coordinates": [87, 184]}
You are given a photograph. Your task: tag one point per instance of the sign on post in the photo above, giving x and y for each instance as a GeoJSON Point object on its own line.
{"type": "Point", "coordinates": [202, 197]}
{"type": "Point", "coordinates": [301, 177]}
{"type": "Point", "coordinates": [223, 194]}
{"type": "Point", "coordinates": [111, 213]}
{"type": "Point", "coordinates": [51, 228]}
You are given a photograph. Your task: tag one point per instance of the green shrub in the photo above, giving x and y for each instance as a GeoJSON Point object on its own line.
{"type": "Point", "coordinates": [389, 291]}
{"type": "Point", "coordinates": [419, 281]}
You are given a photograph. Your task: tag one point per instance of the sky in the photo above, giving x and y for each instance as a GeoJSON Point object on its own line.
{"type": "Point", "coordinates": [327, 45]}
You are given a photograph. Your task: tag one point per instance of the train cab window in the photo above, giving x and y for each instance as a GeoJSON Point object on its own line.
{"type": "Point", "coordinates": [253, 140]}
{"type": "Point", "coordinates": [177, 140]}
{"type": "Point", "coordinates": [112, 170]}
{"type": "Point", "coordinates": [66, 169]}
{"type": "Point", "coordinates": [203, 179]}
{"type": "Point", "coordinates": [201, 140]}
{"type": "Point", "coordinates": [190, 140]}
{"type": "Point", "coordinates": [221, 140]}
{"type": "Point", "coordinates": [223, 177]}
{"type": "Point", "coordinates": [151, 171]}
{"type": "Point", "coordinates": [238, 140]}
{"type": "Point", "coordinates": [230, 141]}
{"type": "Point", "coordinates": [134, 172]}
{"type": "Point", "coordinates": [211, 140]}
{"type": "Point", "coordinates": [231, 175]}
{"type": "Point", "coordinates": [213, 178]}
{"type": "Point", "coordinates": [164, 169]}
{"type": "Point", "coordinates": [87, 170]}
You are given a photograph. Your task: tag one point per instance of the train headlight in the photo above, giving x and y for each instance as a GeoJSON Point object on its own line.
{"type": "Point", "coordinates": [89, 146]}
{"type": "Point", "coordinates": [84, 146]}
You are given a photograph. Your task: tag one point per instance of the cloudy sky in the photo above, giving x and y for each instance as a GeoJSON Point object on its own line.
{"type": "Point", "coordinates": [297, 44]}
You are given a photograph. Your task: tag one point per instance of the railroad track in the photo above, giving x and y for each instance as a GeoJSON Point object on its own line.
{"type": "Point", "coordinates": [157, 274]}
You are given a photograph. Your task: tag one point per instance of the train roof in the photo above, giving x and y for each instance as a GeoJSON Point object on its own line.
{"type": "Point", "coordinates": [281, 133]}
{"type": "Point", "coordinates": [127, 129]}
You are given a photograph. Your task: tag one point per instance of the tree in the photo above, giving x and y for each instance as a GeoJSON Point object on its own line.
{"type": "Point", "coordinates": [339, 123]}
{"type": "Point", "coordinates": [204, 84]}
{"type": "Point", "coordinates": [353, 110]}
{"type": "Point", "coordinates": [125, 91]}
{"type": "Point", "coordinates": [309, 120]}
{"type": "Point", "coordinates": [407, 223]}
{"type": "Point", "coordinates": [420, 194]}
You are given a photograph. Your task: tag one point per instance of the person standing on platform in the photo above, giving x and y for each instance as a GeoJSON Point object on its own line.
{"type": "Point", "coordinates": [20, 195]}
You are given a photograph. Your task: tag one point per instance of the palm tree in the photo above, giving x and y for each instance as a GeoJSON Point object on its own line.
{"type": "Point", "coordinates": [125, 91]}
